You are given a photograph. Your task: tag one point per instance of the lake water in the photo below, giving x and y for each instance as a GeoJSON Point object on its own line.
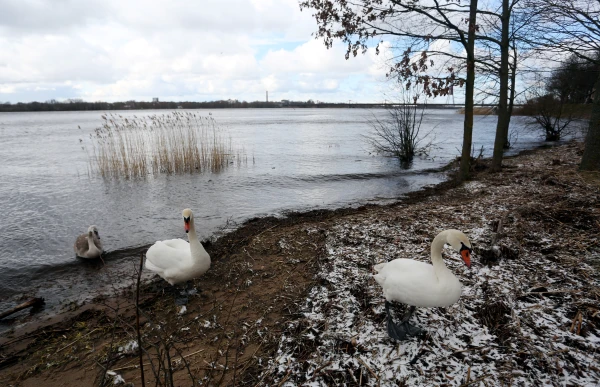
{"type": "Point", "coordinates": [298, 159]}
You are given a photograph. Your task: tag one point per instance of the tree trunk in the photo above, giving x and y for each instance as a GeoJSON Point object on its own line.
{"type": "Point", "coordinates": [511, 98]}
{"type": "Point", "coordinates": [591, 155]}
{"type": "Point", "coordinates": [465, 161]}
{"type": "Point", "coordinates": [503, 120]}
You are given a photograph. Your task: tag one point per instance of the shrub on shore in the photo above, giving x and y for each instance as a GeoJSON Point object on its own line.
{"type": "Point", "coordinates": [397, 133]}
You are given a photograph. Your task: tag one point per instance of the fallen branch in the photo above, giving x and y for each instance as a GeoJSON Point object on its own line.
{"type": "Point", "coordinates": [38, 301]}
{"type": "Point", "coordinates": [474, 381]}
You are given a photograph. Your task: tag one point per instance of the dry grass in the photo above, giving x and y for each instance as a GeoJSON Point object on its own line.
{"type": "Point", "coordinates": [172, 143]}
{"type": "Point", "coordinates": [480, 110]}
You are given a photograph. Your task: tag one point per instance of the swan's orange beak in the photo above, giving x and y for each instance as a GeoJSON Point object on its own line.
{"type": "Point", "coordinates": [186, 225]}
{"type": "Point", "coordinates": [466, 257]}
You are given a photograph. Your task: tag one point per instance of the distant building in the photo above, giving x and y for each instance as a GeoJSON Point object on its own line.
{"type": "Point", "coordinates": [155, 99]}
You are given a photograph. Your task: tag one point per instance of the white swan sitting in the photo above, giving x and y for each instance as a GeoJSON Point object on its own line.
{"type": "Point", "coordinates": [89, 245]}
{"type": "Point", "coordinates": [419, 284]}
{"type": "Point", "coordinates": [176, 260]}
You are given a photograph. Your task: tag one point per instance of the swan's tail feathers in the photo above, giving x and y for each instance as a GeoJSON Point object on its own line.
{"type": "Point", "coordinates": [152, 267]}
{"type": "Point", "coordinates": [379, 278]}
{"type": "Point", "coordinates": [379, 266]}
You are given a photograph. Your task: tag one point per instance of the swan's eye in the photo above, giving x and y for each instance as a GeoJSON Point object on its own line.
{"type": "Point", "coordinates": [96, 232]}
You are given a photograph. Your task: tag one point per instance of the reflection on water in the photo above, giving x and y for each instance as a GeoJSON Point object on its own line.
{"type": "Point", "coordinates": [297, 160]}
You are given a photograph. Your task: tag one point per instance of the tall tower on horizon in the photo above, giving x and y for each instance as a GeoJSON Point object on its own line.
{"type": "Point", "coordinates": [267, 96]}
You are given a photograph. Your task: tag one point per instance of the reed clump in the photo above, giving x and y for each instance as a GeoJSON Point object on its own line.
{"type": "Point", "coordinates": [174, 143]}
{"type": "Point", "coordinates": [481, 110]}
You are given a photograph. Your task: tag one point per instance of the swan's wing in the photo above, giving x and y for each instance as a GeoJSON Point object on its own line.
{"type": "Point", "coordinates": [152, 267]}
{"type": "Point", "coordinates": [81, 245]}
{"type": "Point", "coordinates": [408, 271]}
{"type": "Point", "coordinates": [163, 256]}
{"type": "Point", "coordinates": [406, 280]}
{"type": "Point", "coordinates": [177, 244]}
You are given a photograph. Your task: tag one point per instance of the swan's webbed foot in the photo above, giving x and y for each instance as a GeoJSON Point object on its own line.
{"type": "Point", "coordinates": [183, 298]}
{"type": "Point", "coordinates": [411, 330]}
{"type": "Point", "coordinates": [404, 329]}
{"type": "Point", "coordinates": [396, 332]}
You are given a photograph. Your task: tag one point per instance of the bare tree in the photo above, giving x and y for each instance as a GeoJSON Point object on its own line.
{"type": "Point", "coordinates": [573, 82]}
{"type": "Point", "coordinates": [573, 27]}
{"type": "Point", "coordinates": [508, 31]}
{"type": "Point", "coordinates": [501, 26]}
{"type": "Point", "coordinates": [469, 43]}
{"type": "Point", "coordinates": [356, 23]}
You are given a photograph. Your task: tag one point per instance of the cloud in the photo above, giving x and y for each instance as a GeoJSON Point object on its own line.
{"type": "Point", "coordinates": [38, 16]}
{"type": "Point", "coordinates": [119, 50]}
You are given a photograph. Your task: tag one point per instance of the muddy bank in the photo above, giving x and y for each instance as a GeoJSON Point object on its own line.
{"type": "Point", "coordinates": [290, 301]}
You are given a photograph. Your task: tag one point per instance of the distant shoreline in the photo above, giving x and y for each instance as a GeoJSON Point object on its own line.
{"type": "Point", "coordinates": [134, 105]}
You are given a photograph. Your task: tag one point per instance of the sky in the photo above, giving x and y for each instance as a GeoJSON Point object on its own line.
{"type": "Point", "coordinates": [178, 50]}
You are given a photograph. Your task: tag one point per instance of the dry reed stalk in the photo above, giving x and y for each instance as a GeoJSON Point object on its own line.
{"type": "Point", "coordinates": [173, 143]}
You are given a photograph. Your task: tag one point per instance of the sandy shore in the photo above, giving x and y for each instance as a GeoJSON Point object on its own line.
{"type": "Point", "coordinates": [292, 302]}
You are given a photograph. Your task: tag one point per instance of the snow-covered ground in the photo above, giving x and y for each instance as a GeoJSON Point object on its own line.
{"type": "Point", "coordinates": [528, 317]}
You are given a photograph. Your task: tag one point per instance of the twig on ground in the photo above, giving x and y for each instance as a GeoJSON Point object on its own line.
{"type": "Point", "coordinates": [577, 323]}
{"type": "Point", "coordinates": [475, 381]}
{"type": "Point", "coordinates": [137, 320]}
{"type": "Point", "coordinates": [368, 368]}
{"type": "Point", "coordinates": [68, 345]}
{"type": "Point", "coordinates": [318, 370]}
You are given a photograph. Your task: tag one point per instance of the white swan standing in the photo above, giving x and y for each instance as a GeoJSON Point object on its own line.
{"type": "Point", "coordinates": [89, 245]}
{"type": "Point", "coordinates": [420, 284]}
{"type": "Point", "coordinates": [176, 260]}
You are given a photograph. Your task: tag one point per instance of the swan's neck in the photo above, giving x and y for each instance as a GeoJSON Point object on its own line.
{"type": "Point", "coordinates": [195, 245]}
{"type": "Point", "coordinates": [91, 244]}
{"type": "Point", "coordinates": [436, 253]}
{"type": "Point", "coordinates": [96, 241]}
